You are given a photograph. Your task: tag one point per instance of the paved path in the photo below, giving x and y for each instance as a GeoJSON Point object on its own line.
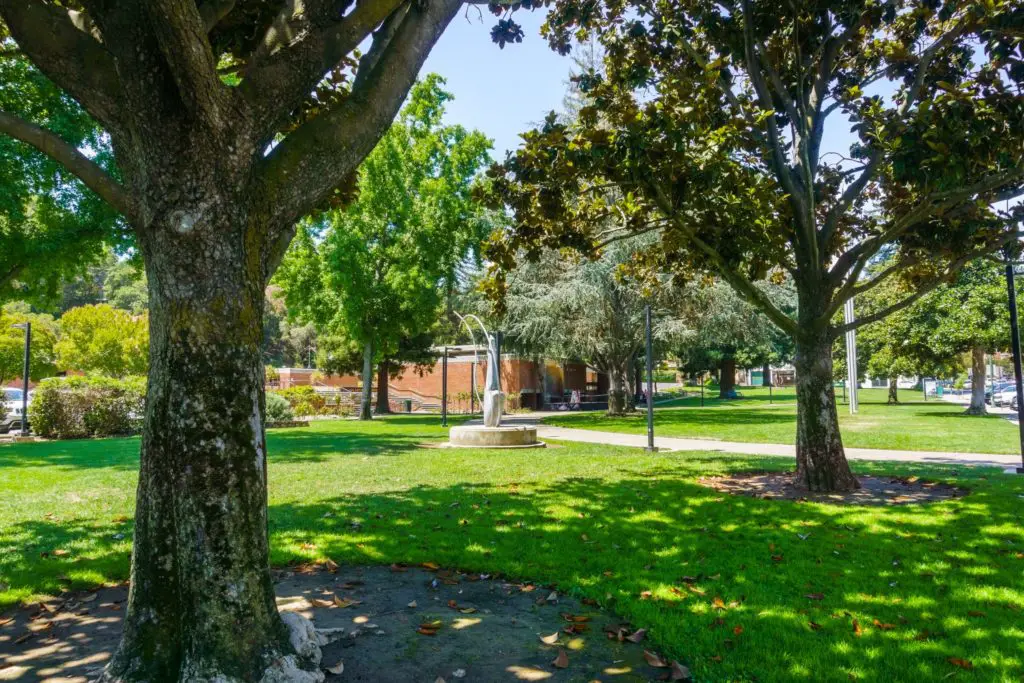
{"type": "Point", "coordinates": [678, 444]}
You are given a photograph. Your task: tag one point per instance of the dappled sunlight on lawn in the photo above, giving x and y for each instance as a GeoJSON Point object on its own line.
{"type": "Point", "coordinates": [882, 593]}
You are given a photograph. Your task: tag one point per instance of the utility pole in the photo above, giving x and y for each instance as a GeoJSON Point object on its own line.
{"type": "Point", "coordinates": [650, 382]}
{"type": "Point", "coordinates": [851, 355]}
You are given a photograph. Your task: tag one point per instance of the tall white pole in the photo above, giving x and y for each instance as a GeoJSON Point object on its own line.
{"type": "Point", "coordinates": [851, 356]}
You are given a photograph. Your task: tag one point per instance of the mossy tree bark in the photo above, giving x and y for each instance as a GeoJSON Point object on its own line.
{"type": "Point", "coordinates": [213, 212]}
{"type": "Point", "coordinates": [766, 375]}
{"type": "Point", "coordinates": [201, 603]}
{"type": "Point", "coordinates": [894, 397]}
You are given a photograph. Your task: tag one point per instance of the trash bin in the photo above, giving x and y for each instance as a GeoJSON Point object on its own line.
{"type": "Point", "coordinates": [408, 405]}
{"type": "Point", "coordinates": [938, 391]}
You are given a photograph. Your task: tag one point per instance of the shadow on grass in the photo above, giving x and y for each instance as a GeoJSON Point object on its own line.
{"type": "Point", "coordinates": [739, 588]}
{"type": "Point", "coordinates": [728, 577]}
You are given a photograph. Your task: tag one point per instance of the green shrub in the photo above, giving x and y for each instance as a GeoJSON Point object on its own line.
{"type": "Point", "coordinates": [303, 399]}
{"type": "Point", "coordinates": [78, 407]}
{"type": "Point", "coordinates": [278, 408]}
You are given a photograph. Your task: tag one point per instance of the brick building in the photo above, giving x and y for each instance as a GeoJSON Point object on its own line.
{"type": "Point", "coordinates": [527, 382]}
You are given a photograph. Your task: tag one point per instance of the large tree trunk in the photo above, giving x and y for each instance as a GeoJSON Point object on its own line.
{"type": "Point", "coordinates": [893, 395]}
{"type": "Point", "coordinates": [727, 383]}
{"type": "Point", "coordinates": [383, 377]}
{"type": "Point", "coordinates": [366, 403]}
{"type": "Point", "coordinates": [766, 375]}
{"type": "Point", "coordinates": [820, 460]}
{"type": "Point", "coordinates": [201, 605]}
{"type": "Point", "coordinates": [977, 406]}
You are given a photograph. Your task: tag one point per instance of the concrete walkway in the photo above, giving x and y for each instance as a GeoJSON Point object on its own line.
{"type": "Point", "coordinates": [545, 432]}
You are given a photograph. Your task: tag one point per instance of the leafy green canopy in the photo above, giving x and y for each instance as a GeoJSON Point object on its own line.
{"type": "Point", "coordinates": [51, 226]}
{"type": "Point", "coordinates": [98, 339]}
{"type": "Point", "coordinates": [376, 272]}
{"type": "Point", "coordinates": [708, 122]}
{"type": "Point", "coordinates": [12, 343]}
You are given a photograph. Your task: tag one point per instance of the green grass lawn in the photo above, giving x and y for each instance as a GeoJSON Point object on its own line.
{"type": "Point", "coordinates": [943, 581]}
{"type": "Point", "coordinates": [915, 424]}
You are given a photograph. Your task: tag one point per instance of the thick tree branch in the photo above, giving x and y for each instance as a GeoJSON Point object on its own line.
{"type": "Point", "coordinates": [306, 167]}
{"type": "Point", "coordinates": [212, 11]}
{"type": "Point", "coordinates": [72, 58]}
{"type": "Point", "coordinates": [182, 35]}
{"type": "Point", "coordinates": [925, 208]}
{"type": "Point", "coordinates": [299, 50]}
{"type": "Point", "coordinates": [923, 288]}
{"type": "Point", "coordinates": [741, 284]}
{"type": "Point", "coordinates": [846, 200]}
{"type": "Point", "coordinates": [94, 177]}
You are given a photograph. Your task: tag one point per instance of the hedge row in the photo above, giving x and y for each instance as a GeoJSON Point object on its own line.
{"type": "Point", "coordinates": [79, 407]}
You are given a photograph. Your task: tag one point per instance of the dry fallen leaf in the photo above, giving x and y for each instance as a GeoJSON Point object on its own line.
{"type": "Point", "coordinates": [23, 638]}
{"type": "Point", "coordinates": [575, 618]}
{"type": "Point", "coordinates": [718, 603]}
{"type": "Point", "coordinates": [317, 602]}
{"type": "Point", "coordinates": [561, 661]}
{"type": "Point", "coordinates": [814, 625]}
{"type": "Point", "coordinates": [655, 659]}
{"type": "Point", "coordinates": [345, 602]}
{"type": "Point", "coordinates": [815, 596]}
{"type": "Point", "coordinates": [337, 669]}
{"type": "Point", "coordinates": [637, 635]}
{"type": "Point", "coordinates": [975, 613]}
{"type": "Point", "coordinates": [737, 630]}
{"type": "Point", "coordinates": [412, 605]}
{"type": "Point", "coordinates": [883, 627]}
{"type": "Point", "coordinates": [678, 672]}
{"type": "Point", "coordinates": [550, 640]}
{"type": "Point", "coordinates": [432, 566]}
{"type": "Point", "coordinates": [857, 630]}
{"type": "Point", "coordinates": [89, 598]}
{"type": "Point", "coordinates": [962, 663]}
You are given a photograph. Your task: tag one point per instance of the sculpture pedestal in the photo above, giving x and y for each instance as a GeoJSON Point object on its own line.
{"type": "Point", "coordinates": [512, 436]}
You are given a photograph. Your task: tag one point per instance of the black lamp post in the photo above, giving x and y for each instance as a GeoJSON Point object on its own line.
{"type": "Point", "coordinates": [650, 381]}
{"type": "Point", "coordinates": [24, 375]}
{"type": "Point", "coordinates": [1011, 291]}
{"type": "Point", "coordinates": [444, 388]}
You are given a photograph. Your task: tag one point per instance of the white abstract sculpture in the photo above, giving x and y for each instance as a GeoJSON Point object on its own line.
{"type": "Point", "coordinates": [494, 397]}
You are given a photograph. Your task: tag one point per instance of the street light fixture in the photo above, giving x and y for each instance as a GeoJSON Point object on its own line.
{"type": "Point", "coordinates": [27, 326]}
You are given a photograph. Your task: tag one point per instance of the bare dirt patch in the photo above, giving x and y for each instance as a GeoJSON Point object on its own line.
{"type": "Point", "coordinates": [873, 491]}
{"type": "Point", "coordinates": [397, 623]}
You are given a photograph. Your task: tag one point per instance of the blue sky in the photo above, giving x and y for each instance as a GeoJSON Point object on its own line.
{"type": "Point", "coordinates": [504, 92]}
{"type": "Point", "coordinates": [499, 92]}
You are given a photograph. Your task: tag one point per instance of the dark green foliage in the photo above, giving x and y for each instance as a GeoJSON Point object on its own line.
{"type": "Point", "coordinates": [303, 400]}
{"type": "Point", "coordinates": [78, 407]}
{"type": "Point", "coordinates": [279, 409]}
{"type": "Point", "coordinates": [51, 226]}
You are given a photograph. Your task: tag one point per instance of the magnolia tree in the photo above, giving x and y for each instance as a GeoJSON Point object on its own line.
{"type": "Point", "coordinates": [229, 121]}
{"type": "Point", "coordinates": [706, 128]}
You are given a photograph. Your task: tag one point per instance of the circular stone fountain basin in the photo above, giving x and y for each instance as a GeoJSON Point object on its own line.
{"type": "Point", "coordinates": [476, 436]}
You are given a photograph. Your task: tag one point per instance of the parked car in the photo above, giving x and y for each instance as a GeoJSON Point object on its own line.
{"type": "Point", "coordinates": [1004, 397]}
{"type": "Point", "coordinates": [10, 409]}
{"type": "Point", "coordinates": [995, 389]}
